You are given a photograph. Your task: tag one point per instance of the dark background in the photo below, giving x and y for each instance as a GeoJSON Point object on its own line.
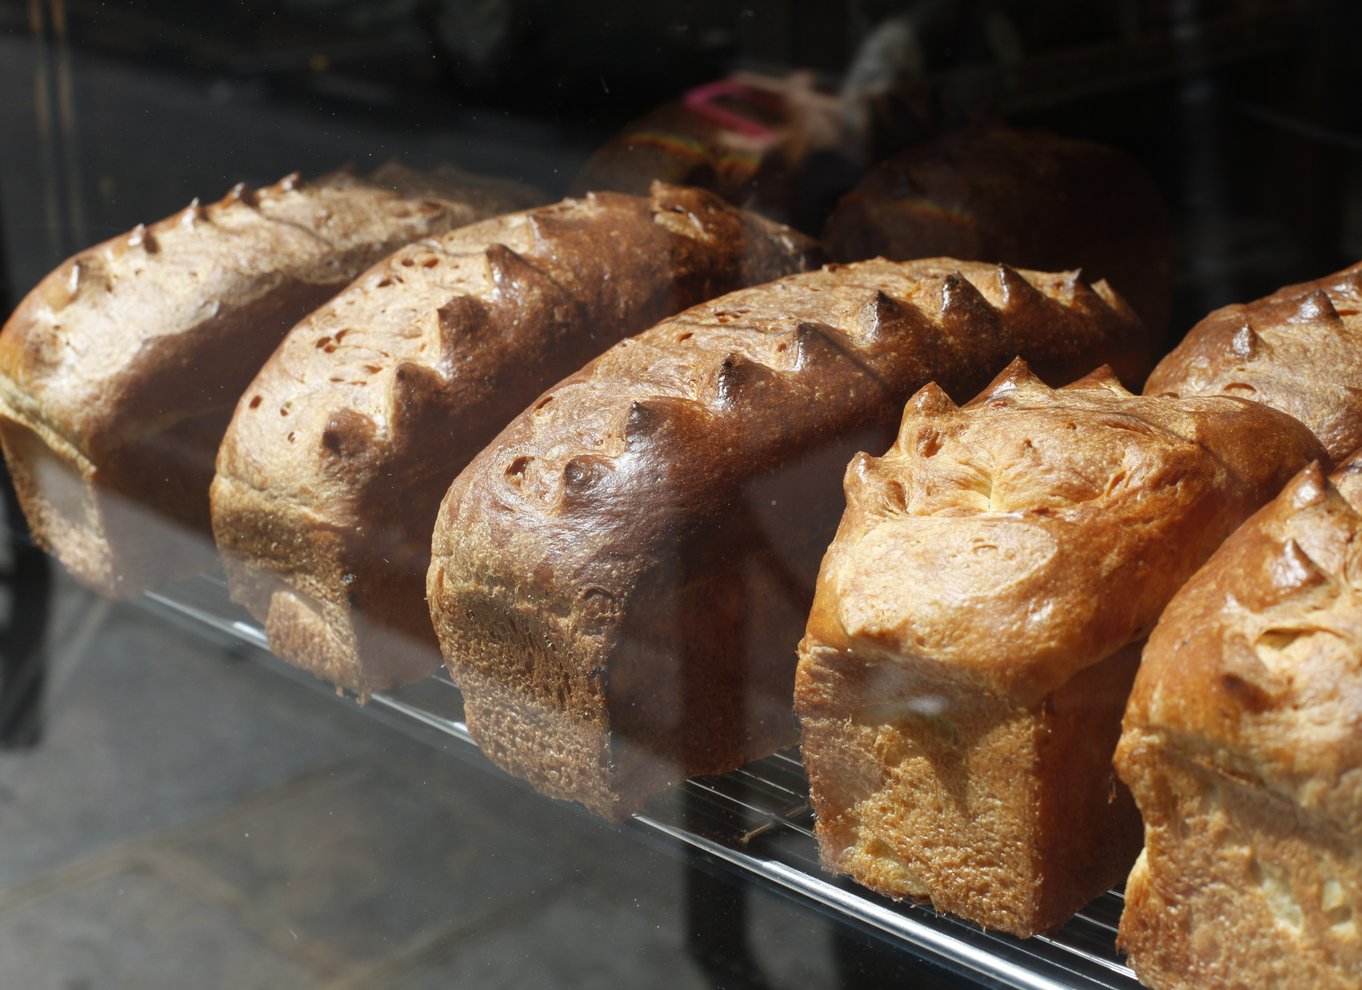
{"type": "Point", "coordinates": [1245, 111]}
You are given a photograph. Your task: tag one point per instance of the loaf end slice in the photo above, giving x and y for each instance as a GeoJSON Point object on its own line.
{"type": "Point", "coordinates": [978, 621]}
{"type": "Point", "coordinates": [1242, 749]}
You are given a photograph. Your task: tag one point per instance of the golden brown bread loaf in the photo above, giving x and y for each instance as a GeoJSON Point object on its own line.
{"type": "Point", "coordinates": [1243, 747]}
{"type": "Point", "coordinates": [1298, 350]}
{"type": "Point", "coordinates": [119, 371]}
{"type": "Point", "coordinates": [977, 623]}
{"type": "Point", "coordinates": [1024, 197]}
{"type": "Point", "coordinates": [333, 468]}
{"type": "Point", "coordinates": [620, 579]}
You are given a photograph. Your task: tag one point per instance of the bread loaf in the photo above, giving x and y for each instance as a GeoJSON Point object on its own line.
{"type": "Point", "coordinates": [119, 371]}
{"type": "Point", "coordinates": [332, 470]}
{"type": "Point", "coordinates": [620, 579]}
{"type": "Point", "coordinates": [1298, 350]}
{"type": "Point", "coordinates": [775, 145]}
{"type": "Point", "coordinates": [977, 623]}
{"type": "Point", "coordinates": [1024, 197]}
{"type": "Point", "coordinates": [1243, 747]}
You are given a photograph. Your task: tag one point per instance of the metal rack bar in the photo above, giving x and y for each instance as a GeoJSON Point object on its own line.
{"type": "Point", "coordinates": [758, 819]}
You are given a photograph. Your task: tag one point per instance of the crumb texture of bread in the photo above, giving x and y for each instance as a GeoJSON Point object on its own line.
{"type": "Point", "coordinates": [634, 556]}
{"type": "Point", "coordinates": [120, 370]}
{"type": "Point", "coordinates": [1298, 350]}
{"type": "Point", "coordinates": [1025, 197]}
{"type": "Point", "coordinates": [978, 621]}
{"type": "Point", "coordinates": [332, 470]}
{"type": "Point", "coordinates": [1242, 745]}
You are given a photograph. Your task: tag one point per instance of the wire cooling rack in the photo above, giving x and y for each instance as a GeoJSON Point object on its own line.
{"type": "Point", "coordinates": [758, 819]}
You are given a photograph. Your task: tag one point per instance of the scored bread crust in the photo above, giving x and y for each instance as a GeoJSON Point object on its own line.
{"type": "Point", "coordinates": [119, 371]}
{"type": "Point", "coordinates": [1242, 744]}
{"type": "Point", "coordinates": [1298, 350]}
{"type": "Point", "coordinates": [977, 623]}
{"type": "Point", "coordinates": [333, 468]}
{"type": "Point", "coordinates": [620, 579]}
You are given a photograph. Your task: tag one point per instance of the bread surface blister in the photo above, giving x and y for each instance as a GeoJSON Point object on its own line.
{"type": "Point", "coordinates": [978, 620]}
{"type": "Point", "coordinates": [1242, 747]}
{"type": "Point", "coordinates": [620, 579]}
{"type": "Point", "coordinates": [331, 473]}
{"type": "Point", "coordinates": [119, 371]}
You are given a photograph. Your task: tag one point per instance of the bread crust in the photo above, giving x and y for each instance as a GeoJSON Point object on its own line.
{"type": "Point", "coordinates": [1298, 350]}
{"type": "Point", "coordinates": [1026, 197]}
{"type": "Point", "coordinates": [1241, 744]}
{"type": "Point", "coordinates": [977, 625]}
{"type": "Point", "coordinates": [332, 471]}
{"type": "Point", "coordinates": [634, 555]}
{"type": "Point", "coordinates": [119, 371]}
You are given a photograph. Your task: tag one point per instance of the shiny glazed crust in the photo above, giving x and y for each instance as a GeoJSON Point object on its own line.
{"type": "Point", "coordinates": [1242, 747]}
{"type": "Point", "coordinates": [334, 465]}
{"type": "Point", "coordinates": [1298, 350]}
{"type": "Point", "coordinates": [119, 371]}
{"type": "Point", "coordinates": [977, 624]}
{"type": "Point", "coordinates": [620, 579]}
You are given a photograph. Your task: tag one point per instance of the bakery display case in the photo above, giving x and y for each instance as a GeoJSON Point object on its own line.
{"type": "Point", "coordinates": [613, 300]}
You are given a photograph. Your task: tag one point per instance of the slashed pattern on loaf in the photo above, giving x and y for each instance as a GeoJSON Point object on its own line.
{"type": "Point", "coordinates": [1298, 350]}
{"type": "Point", "coordinates": [878, 327]}
{"type": "Point", "coordinates": [1256, 666]}
{"type": "Point", "coordinates": [441, 311]}
{"type": "Point", "coordinates": [66, 351]}
{"type": "Point", "coordinates": [982, 507]}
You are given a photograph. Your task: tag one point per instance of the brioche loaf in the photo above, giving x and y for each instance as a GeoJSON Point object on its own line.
{"type": "Point", "coordinates": [620, 579]}
{"type": "Point", "coordinates": [977, 623]}
{"type": "Point", "coordinates": [1024, 197]}
{"type": "Point", "coordinates": [119, 371]}
{"type": "Point", "coordinates": [1243, 747]}
{"type": "Point", "coordinates": [332, 470]}
{"type": "Point", "coordinates": [1298, 350]}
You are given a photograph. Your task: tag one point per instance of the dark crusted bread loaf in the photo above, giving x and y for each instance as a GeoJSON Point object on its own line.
{"type": "Point", "coordinates": [1243, 747]}
{"type": "Point", "coordinates": [620, 579]}
{"type": "Point", "coordinates": [1023, 197]}
{"type": "Point", "coordinates": [777, 146]}
{"type": "Point", "coordinates": [978, 621]}
{"type": "Point", "coordinates": [120, 370]}
{"type": "Point", "coordinates": [1298, 350]}
{"type": "Point", "coordinates": [333, 468]}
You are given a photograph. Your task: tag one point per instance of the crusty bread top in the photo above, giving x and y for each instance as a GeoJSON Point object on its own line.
{"type": "Point", "coordinates": [1033, 532]}
{"type": "Point", "coordinates": [870, 325]}
{"type": "Point", "coordinates": [92, 331]}
{"type": "Point", "coordinates": [1298, 350]}
{"type": "Point", "coordinates": [465, 320]}
{"type": "Point", "coordinates": [1255, 667]}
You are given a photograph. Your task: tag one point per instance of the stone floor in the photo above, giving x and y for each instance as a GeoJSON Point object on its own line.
{"type": "Point", "coordinates": [193, 818]}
